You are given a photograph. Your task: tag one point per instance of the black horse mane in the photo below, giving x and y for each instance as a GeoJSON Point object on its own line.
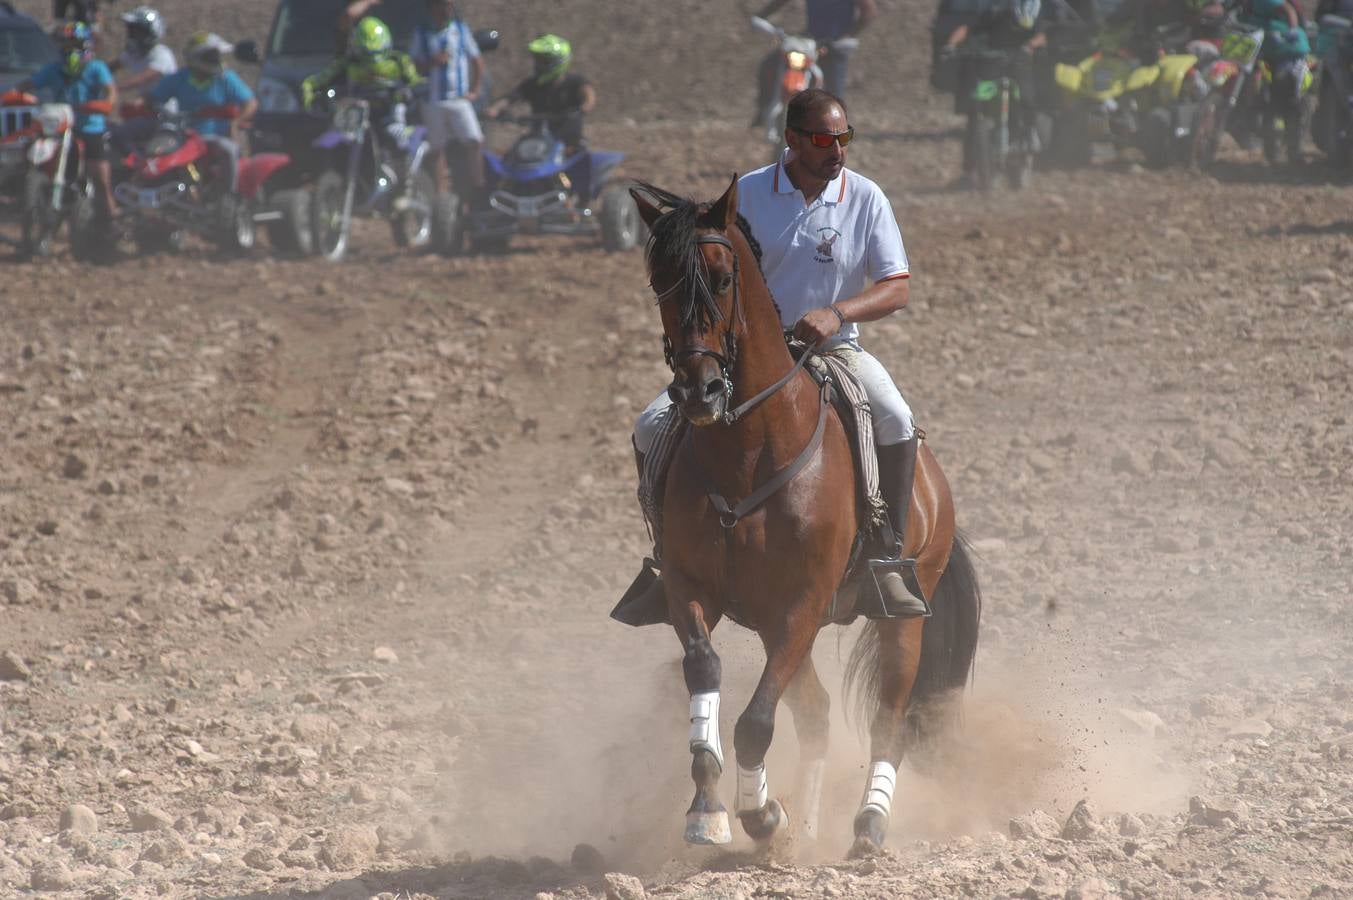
{"type": "Point", "coordinates": [671, 244]}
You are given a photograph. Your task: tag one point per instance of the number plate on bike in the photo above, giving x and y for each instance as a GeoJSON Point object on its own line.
{"type": "Point", "coordinates": [1239, 47]}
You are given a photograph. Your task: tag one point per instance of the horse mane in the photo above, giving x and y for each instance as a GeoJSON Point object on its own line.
{"type": "Point", "coordinates": [671, 244]}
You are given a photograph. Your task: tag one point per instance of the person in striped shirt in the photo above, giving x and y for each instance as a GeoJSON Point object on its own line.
{"type": "Point", "coordinates": [446, 53]}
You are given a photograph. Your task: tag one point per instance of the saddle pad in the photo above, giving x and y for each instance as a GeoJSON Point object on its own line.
{"type": "Point", "coordinates": [859, 426]}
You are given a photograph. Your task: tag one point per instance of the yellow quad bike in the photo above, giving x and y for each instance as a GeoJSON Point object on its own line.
{"type": "Point", "coordinates": [1112, 98]}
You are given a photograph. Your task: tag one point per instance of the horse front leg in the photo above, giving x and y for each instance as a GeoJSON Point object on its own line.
{"type": "Point", "coordinates": [810, 703]}
{"type": "Point", "coordinates": [786, 649]}
{"type": "Point", "coordinates": [899, 658]}
{"type": "Point", "coordinates": [707, 818]}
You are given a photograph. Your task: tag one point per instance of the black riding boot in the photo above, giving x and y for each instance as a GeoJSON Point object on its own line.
{"type": "Point", "coordinates": [645, 603]}
{"type": "Point", "coordinates": [897, 472]}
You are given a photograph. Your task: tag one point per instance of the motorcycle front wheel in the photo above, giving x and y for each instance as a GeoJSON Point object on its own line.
{"type": "Point", "coordinates": [326, 211]}
{"type": "Point", "coordinates": [983, 136]}
{"type": "Point", "coordinates": [39, 219]}
{"type": "Point", "coordinates": [1208, 128]}
{"type": "Point", "coordinates": [412, 226]}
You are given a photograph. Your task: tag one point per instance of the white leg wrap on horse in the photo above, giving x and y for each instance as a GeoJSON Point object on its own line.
{"type": "Point", "coordinates": [813, 775]}
{"type": "Point", "coordinates": [705, 724]}
{"type": "Point", "coordinates": [752, 791]}
{"type": "Point", "coordinates": [878, 791]}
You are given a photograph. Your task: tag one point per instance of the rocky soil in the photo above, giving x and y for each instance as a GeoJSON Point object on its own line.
{"type": "Point", "coordinates": [304, 569]}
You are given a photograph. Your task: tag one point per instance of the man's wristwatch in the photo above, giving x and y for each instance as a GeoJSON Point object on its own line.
{"type": "Point", "coordinates": [840, 315]}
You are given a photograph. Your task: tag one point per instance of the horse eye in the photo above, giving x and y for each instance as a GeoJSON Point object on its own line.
{"type": "Point", "coordinates": [725, 283]}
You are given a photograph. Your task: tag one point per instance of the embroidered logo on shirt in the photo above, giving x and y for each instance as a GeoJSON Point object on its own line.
{"type": "Point", "coordinates": [824, 247]}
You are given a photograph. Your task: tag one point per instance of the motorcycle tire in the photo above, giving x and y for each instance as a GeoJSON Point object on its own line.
{"type": "Point", "coordinates": [984, 165]}
{"type": "Point", "coordinates": [1272, 137]}
{"type": "Point", "coordinates": [326, 217]}
{"type": "Point", "coordinates": [448, 231]}
{"type": "Point", "coordinates": [1157, 138]}
{"type": "Point", "coordinates": [413, 227]}
{"type": "Point", "coordinates": [291, 233]}
{"type": "Point", "coordinates": [38, 223]}
{"type": "Point", "coordinates": [621, 227]}
{"type": "Point", "coordinates": [89, 236]}
{"type": "Point", "coordinates": [1298, 123]}
{"type": "Point", "coordinates": [236, 231]}
{"type": "Point", "coordinates": [1019, 171]}
{"type": "Point", "coordinates": [1208, 127]}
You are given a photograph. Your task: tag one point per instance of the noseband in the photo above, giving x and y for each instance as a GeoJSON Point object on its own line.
{"type": "Point", "coordinates": [728, 359]}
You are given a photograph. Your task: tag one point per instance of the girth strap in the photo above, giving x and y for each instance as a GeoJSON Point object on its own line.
{"type": "Point", "coordinates": [729, 516]}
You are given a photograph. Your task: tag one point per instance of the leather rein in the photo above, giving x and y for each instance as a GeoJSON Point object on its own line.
{"type": "Point", "coordinates": [731, 514]}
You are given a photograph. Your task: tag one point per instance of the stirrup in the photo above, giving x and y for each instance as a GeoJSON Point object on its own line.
{"type": "Point", "coordinates": [896, 593]}
{"type": "Point", "coordinates": [645, 603]}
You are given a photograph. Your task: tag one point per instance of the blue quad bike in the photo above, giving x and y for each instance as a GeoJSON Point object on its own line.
{"type": "Point", "coordinates": [368, 172]}
{"type": "Point", "coordinates": [537, 187]}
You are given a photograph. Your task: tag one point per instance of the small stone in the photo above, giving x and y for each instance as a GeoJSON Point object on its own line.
{"type": "Point", "coordinates": [1143, 720]}
{"type": "Point", "coordinates": [18, 590]}
{"type": "Point", "coordinates": [313, 728]}
{"type": "Point", "coordinates": [623, 887]}
{"type": "Point", "coordinates": [361, 793]}
{"type": "Point", "coordinates": [1024, 329]}
{"type": "Point", "coordinates": [258, 858]}
{"type": "Point", "coordinates": [52, 876]}
{"type": "Point", "coordinates": [1249, 728]}
{"type": "Point", "coordinates": [1034, 826]}
{"type": "Point", "coordinates": [308, 698]}
{"type": "Point", "coordinates": [149, 818]}
{"type": "Point", "coordinates": [1130, 825]}
{"type": "Point", "coordinates": [48, 527]}
{"type": "Point", "coordinates": [1091, 889]}
{"type": "Point", "coordinates": [297, 569]}
{"type": "Point", "coordinates": [79, 820]}
{"type": "Point", "coordinates": [13, 668]}
{"type": "Point", "coordinates": [1216, 813]}
{"type": "Point", "coordinates": [165, 850]}
{"type": "Point", "coordinates": [588, 860]}
{"type": "Point", "coordinates": [74, 467]}
{"type": "Point", "coordinates": [1127, 461]}
{"type": "Point", "coordinates": [1082, 824]}
{"type": "Point", "coordinates": [385, 655]}
{"type": "Point", "coordinates": [350, 847]}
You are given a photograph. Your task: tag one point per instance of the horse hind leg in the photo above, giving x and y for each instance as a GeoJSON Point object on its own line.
{"type": "Point", "coordinates": [707, 818]}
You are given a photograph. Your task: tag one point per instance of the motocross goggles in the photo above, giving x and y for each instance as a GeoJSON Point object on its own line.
{"type": "Point", "coordinates": [823, 139]}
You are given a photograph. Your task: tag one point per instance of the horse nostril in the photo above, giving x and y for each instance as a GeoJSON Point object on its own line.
{"type": "Point", "coordinates": [714, 388]}
{"type": "Point", "coordinates": [678, 393]}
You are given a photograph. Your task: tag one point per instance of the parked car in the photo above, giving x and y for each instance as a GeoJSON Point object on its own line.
{"type": "Point", "coordinates": [24, 48]}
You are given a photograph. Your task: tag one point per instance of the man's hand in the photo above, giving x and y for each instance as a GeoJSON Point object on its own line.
{"type": "Point", "coordinates": [817, 325]}
{"type": "Point", "coordinates": [441, 59]}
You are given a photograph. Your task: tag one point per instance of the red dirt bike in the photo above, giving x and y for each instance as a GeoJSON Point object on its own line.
{"type": "Point", "coordinates": [56, 186]}
{"type": "Point", "coordinates": [178, 182]}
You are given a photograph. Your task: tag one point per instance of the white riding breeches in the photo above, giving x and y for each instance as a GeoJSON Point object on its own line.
{"type": "Point", "coordinates": [893, 422]}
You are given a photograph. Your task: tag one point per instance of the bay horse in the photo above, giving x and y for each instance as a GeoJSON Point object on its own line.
{"type": "Point", "coordinates": [765, 433]}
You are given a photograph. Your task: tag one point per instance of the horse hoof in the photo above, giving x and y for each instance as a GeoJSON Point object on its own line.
{"type": "Point", "coordinates": [870, 828]}
{"type": "Point", "coordinates": [761, 825]}
{"type": "Point", "coordinates": [864, 848]}
{"type": "Point", "coordinates": [708, 828]}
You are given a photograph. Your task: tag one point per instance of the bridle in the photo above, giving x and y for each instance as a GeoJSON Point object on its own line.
{"type": "Point", "coordinates": [728, 359]}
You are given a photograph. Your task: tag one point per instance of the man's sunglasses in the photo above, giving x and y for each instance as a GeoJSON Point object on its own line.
{"type": "Point", "coordinates": [823, 139]}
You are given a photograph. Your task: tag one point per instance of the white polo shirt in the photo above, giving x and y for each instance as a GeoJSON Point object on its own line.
{"type": "Point", "coordinates": [831, 249]}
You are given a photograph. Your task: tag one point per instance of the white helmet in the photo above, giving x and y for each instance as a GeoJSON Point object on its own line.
{"type": "Point", "coordinates": [1026, 12]}
{"type": "Point", "coordinates": [145, 28]}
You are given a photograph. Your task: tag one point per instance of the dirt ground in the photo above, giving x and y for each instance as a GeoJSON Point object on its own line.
{"type": "Point", "coordinates": [304, 569]}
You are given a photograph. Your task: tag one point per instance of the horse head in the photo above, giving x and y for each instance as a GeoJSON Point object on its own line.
{"type": "Point", "coordinates": [694, 270]}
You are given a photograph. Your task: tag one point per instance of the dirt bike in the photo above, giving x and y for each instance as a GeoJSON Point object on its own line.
{"type": "Point", "coordinates": [1230, 105]}
{"type": "Point", "coordinates": [1001, 134]}
{"type": "Point", "coordinates": [797, 70]}
{"type": "Point", "coordinates": [1332, 124]}
{"type": "Point", "coordinates": [176, 182]}
{"type": "Point", "coordinates": [368, 172]}
{"type": "Point", "coordinates": [1285, 104]}
{"type": "Point", "coordinates": [537, 186]}
{"type": "Point", "coordinates": [1112, 97]}
{"type": "Point", "coordinates": [56, 186]}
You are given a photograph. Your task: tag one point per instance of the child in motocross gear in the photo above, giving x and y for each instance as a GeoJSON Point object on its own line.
{"type": "Point", "coordinates": [85, 83]}
{"type": "Point", "coordinates": [828, 22]}
{"type": "Point", "coordinates": [1286, 45]}
{"type": "Point", "coordinates": [376, 72]}
{"type": "Point", "coordinates": [215, 99]}
{"type": "Point", "coordinates": [553, 92]}
{"type": "Point", "coordinates": [1017, 27]}
{"type": "Point", "coordinates": [144, 61]}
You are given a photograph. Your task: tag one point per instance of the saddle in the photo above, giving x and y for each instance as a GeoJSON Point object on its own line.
{"type": "Point", "coordinates": [848, 397]}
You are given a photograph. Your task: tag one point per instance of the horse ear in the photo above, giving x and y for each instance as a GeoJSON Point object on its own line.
{"type": "Point", "coordinates": [647, 211]}
{"type": "Point", "coordinates": [724, 213]}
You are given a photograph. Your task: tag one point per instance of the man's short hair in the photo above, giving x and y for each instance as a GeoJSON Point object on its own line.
{"type": "Point", "coordinates": [806, 104]}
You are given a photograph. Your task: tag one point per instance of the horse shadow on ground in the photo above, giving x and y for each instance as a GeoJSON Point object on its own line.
{"type": "Point", "coordinates": [1311, 174]}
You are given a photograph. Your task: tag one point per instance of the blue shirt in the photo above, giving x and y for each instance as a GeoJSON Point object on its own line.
{"type": "Point", "coordinates": [830, 19]}
{"type": "Point", "coordinates": [90, 84]}
{"type": "Point", "coordinates": [224, 89]}
{"type": "Point", "coordinates": [453, 79]}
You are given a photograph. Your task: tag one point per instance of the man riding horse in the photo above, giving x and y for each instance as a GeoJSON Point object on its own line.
{"type": "Point", "coordinates": [833, 257]}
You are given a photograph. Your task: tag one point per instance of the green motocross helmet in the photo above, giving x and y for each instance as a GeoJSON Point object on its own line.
{"type": "Point", "coordinates": [370, 39]}
{"type": "Point", "coordinates": [551, 54]}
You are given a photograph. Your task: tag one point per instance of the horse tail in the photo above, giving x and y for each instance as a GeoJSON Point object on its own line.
{"type": "Point", "coordinates": [948, 650]}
